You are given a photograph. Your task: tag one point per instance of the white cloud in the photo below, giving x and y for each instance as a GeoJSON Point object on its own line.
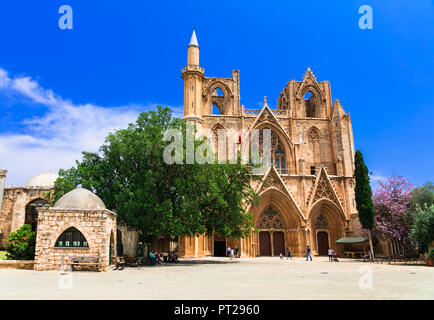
{"type": "Point", "coordinates": [56, 139]}
{"type": "Point", "coordinates": [375, 180]}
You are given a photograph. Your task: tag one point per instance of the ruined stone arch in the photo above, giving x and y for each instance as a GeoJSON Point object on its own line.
{"type": "Point", "coordinates": [313, 107]}
{"type": "Point", "coordinates": [222, 102]}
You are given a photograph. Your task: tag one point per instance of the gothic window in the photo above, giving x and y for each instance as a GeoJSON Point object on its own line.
{"type": "Point", "coordinates": [321, 222]}
{"type": "Point", "coordinates": [71, 238]}
{"type": "Point", "coordinates": [278, 156]}
{"type": "Point", "coordinates": [313, 136]}
{"type": "Point", "coordinates": [217, 99]}
{"type": "Point", "coordinates": [310, 105]}
{"type": "Point", "coordinates": [270, 219]}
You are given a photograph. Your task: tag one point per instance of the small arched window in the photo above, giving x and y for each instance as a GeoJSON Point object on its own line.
{"type": "Point", "coordinates": [71, 238]}
{"type": "Point", "coordinates": [217, 100]}
{"type": "Point", "coordinates": [310, 105]}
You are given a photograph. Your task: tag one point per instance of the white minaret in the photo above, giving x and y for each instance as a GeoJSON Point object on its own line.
{"type": "Point", "coordinates": [193, 76]}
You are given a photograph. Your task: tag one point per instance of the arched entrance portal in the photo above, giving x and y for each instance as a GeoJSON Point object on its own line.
{"type": "Point", "coordinates": [219, 246]}
{"type": "Point", "coordinates": [323, 243]}
{"type": "Point", "coordinates": [264, 243]}
{"type": "Point", "coordinates": [278, 215]}
{"type": "Point", "coordinates": [328, 225]}
{"type": "Point", "coordinates": [271, 237]}
{"type": "Point", "coordinates": [32, 213]}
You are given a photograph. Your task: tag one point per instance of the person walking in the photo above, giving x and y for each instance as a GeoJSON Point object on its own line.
{"type": "Point", "coordinates": [232, 254]}
{"type": "Point", "coordinates": [289, 254]}
{"type": "Point", "coordinates": [281, 256]}
{"type": "Point", "coordinates": [330, 252]}
{"type": "Point", "coordinates": [229, 251]}
{"type": "Point", "coordinates": [308, 255]}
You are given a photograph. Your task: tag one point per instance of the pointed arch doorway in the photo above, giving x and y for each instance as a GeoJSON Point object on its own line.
{"type": "Point", "coordinates": [271, 235]}
{"type": "Point", "coordinates": [323, 242]}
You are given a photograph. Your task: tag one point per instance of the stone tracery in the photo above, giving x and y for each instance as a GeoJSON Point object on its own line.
{"type": "Point", "coordinates": [270, 219]}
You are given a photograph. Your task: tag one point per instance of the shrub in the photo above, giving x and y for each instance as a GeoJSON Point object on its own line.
{"type": "Point", "coordinates": [21, 244]}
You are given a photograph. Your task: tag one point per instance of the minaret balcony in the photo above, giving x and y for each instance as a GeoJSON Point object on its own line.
{"type": "Point", "coordinates": [192, 67]}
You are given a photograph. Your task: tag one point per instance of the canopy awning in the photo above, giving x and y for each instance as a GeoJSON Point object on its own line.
{"type": "Point", "coordinates": [352, 240]}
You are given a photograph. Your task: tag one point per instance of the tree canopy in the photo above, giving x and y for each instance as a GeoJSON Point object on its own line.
{"type": "Point", "coordinates": [391, 201]}
{"type": "Point", "coordinates": [130, 175]}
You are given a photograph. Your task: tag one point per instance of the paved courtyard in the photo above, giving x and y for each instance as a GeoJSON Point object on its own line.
{"type": "Point", "coordinates": [219, 278]}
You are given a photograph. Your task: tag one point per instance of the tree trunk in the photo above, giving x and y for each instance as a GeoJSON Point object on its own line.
{"type": "Point", "coordinates": [370, 244]}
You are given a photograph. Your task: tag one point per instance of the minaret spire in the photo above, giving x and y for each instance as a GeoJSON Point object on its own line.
{"type": "Point", "coordinates": [193, 40]}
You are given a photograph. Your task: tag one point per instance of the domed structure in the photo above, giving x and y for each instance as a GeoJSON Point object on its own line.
{"type": "Point", "coordinates": [45, 180]}
{"type": "Point", "coordinates": [80, 199]}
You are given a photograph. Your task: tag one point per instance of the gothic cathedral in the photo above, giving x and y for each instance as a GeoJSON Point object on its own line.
{"type": "Point", "coordinates": [307, 194]}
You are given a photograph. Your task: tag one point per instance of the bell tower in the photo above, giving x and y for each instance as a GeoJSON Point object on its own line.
{"type": "Point", "coordinates": [193, 76]}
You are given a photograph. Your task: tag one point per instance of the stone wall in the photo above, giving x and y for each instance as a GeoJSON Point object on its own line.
{"type": "Point", "coordinates": [97, 226]}
{"type": "Point", "coordinates": [13, 209]}
{"type": "Point", "coordinates": [130, 239]}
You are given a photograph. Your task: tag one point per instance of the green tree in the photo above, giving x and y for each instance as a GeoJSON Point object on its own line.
{"type": "Point", "coordinates": [422, 231]}
{"type": "Point", "coordinates": [363, 195]}
{"type": "Point", "coordinates": [421, 196]}
{"type": "Point", "coordinates": [21, 244]}
{"type": "Point", "coordinates": [130, 175]}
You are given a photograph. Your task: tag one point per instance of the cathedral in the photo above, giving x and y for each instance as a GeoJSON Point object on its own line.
{"type": "Point", "coordinates": [307, 193]}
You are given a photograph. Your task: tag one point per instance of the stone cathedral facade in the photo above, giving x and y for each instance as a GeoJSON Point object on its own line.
{"type": "Point", "coordinates": [307, 194]}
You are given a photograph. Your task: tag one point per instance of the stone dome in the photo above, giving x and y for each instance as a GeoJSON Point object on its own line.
{"type": "Point", "coordinates": [80, 199]}
{"type": "Point", "coordinates": [43, 180]}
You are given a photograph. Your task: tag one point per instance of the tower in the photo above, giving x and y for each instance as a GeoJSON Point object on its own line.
{"type": "Point", "coordinates": [193, 76]}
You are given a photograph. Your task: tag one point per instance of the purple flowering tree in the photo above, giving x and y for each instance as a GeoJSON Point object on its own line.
{"type": "Point", "coordinates": [391, 215]}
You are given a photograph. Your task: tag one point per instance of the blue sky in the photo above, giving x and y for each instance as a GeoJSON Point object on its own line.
{"type": "Point", "coordinates": [62, 91]}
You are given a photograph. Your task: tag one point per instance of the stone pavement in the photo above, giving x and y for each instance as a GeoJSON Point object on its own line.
{"type": "Point", "coordinates": [219, 278]}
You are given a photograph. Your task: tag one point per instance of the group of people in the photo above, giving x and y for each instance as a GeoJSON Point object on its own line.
{"type": "Point", "coordinates": [331, 253]}
{"type": "Point", "coordinates": [159, 257]}
{"type": "Point", "coordinates": [288, 254]}
{"type": "Point", "coordinates": [232, 253]}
